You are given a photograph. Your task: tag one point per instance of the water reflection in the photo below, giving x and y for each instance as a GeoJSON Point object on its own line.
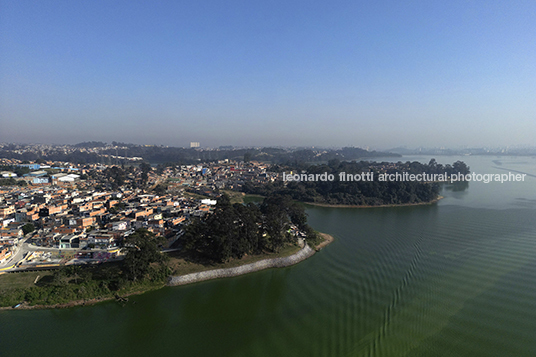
{"type": "Point", "coordinates": [457, 186]}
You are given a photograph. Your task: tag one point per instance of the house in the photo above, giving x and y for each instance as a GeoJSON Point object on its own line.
{"type": "Point", "coordinates": [177, 220]}
{"type": "Point", "coordinates": [97, 212]}
{"type": "Point", "coordinates": [6, 221]}
{"type": "Point", "coordinates": [143, 213]}
{"type": "Point", "coordinates": [64, 230]}
{"type": "Point", "coordinates": [51, 210]}
{"type": "Point", "coordinates": [22, 215]}
{"type": "Point", "coordinates": [68, 241]}
{"type": "Point", "coordinates": [85, 222]}
{"type": "Point", "coordinates": [156, 223]}
{"type": "Point", "coordinates": [102, 239]}
{"type": "Point", "coordinates": [117, 226]}
{"type": "Point", "coordinates": [7, 210]}
{"type": "Point", "coordinates": [11, 233]}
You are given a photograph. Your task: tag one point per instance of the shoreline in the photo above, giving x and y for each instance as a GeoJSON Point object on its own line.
{"type": "Point", "coordinates": [74, 303]}
{"type": "Point", "coordinates": [378, 206]}
{"type": "Point", "coordinates": [301, 255]}
{"type": "Point", "coordinates": [328, 239]}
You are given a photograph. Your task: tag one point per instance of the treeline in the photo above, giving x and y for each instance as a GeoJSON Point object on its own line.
{"type": "Point", "coordinates": [20, 171]}
{"type": "Point", "coordinates": [234, 230]}
{"type": "Point", "coordinates": [12, 182]}
{"type": "Point", "coordinates": [114, 177]}
{"type": "Point", "coordinates": [433, 167]}
{"type": "Point", "coordinates": [77, 157]}
{"type": "Point", "coordinates": [360, 193]}
{"type": "Point", "coordinates": [90, 144]}
{"type": "Point", "coordinates": [161, 154]}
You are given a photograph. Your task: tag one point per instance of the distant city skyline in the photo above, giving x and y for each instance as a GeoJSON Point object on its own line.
{"type": "Point", "coordinates": [404, 149]}
{"type": "Point", "coordinates": [366, 74]}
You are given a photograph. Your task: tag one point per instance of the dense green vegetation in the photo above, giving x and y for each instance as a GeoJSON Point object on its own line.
{"type": "Point", "coordinates": [236, 229]}
{"type": "Point", "coordinates": [116, 176]}
{"type": "Point", "coordinates": [20, 171]}
{"type": "Point", "coordinates": [90, 144]}
{"type": "Point", "coordinates": [143, 252]}
{"type": "Point", "coordinates": [365, 193]}
{"type": "Point", "coordinates": [28, 228]}
{"type": "Point", "coordinates": [12, 182]}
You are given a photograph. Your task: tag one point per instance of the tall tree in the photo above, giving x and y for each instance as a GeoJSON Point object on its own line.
{"type": "Point", "coordinates": [142, 250]}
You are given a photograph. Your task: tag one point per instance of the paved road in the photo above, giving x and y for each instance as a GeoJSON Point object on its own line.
{"type": "Point", "coordinates": [16, 257]}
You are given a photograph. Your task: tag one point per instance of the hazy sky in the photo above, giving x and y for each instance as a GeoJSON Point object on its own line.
{"type": "Point", "coordinates": [360, 73]}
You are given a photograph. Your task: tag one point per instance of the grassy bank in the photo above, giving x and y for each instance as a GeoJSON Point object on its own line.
{"type": "Point", "coordinates": [181, 265]}
{"type": "Point", "coordinates": [71, 286]}
{"type": "Point", "coordinates": [240, 197]}
{"type": "Point", "coordinates": [21, 280]}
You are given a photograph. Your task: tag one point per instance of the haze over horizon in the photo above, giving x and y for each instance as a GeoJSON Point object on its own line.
{"type": "Point", "coordinates": [300, 73]}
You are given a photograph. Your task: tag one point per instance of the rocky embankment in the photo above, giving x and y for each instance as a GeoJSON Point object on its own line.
{"type": "Point", "coordinates": [301, 255]}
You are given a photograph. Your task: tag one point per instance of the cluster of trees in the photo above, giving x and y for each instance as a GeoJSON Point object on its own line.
{"type": "Point", "coordinates": [117, 208]}
{"type": "Point", "coordinates": [81, 157]}
{"type": "Point", "coordinates": [28, 228]}
{"type": "Point", "coordinates": [90, 144]}
{"type": "Point", "coordinates": [234, 230]}
{"type": "Point", "coordinates": [144, 259]}
{"type": "Point", "coordinates": [12, 182]}
{"type": "Point", "coordinates": [115, 176]}
{"type": "Point", "coordinates": [373, 193]}
{"type": "Point", "coordinates": [67, 284]}
{"type": "Point", "coordinates": [306, 156]}
{"type": "Point", "coordinates": [369, 193]}
{"type": "Point", "coordinates": [275, 155]}
{"type": "Point", "coordinates": [433, 167]}
{"type": "Point", "coordinates": [145, 169]}
{"type": "Point", "coordinates": [20, 171]}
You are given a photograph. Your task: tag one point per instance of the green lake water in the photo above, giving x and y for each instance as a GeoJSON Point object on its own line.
{"type": "Point", "coordinates": [457, 278]}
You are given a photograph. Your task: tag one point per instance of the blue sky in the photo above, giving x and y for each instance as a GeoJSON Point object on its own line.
{"type": "Point", "coordinates": [375, 73]}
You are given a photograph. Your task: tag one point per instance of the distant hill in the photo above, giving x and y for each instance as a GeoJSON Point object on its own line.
{"type": "Point", "coordinates": [162, 154]}
{"type": "Point", "coordinates": [90, 144]}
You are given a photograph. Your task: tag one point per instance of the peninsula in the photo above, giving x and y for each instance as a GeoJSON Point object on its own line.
{"type": "Point", "coordinates": [367, 186]}
{"type": "Point", "coordinates": [60, 270]}
{"type": "Point", "coordinates": [84, 232]}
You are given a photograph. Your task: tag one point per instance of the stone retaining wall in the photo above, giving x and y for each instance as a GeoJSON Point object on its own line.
{"type": "Point", "coordinates": [303, 254]}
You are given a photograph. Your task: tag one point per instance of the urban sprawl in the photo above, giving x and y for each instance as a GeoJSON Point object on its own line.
{"type": "Point", "coordinates": [62, 213]}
